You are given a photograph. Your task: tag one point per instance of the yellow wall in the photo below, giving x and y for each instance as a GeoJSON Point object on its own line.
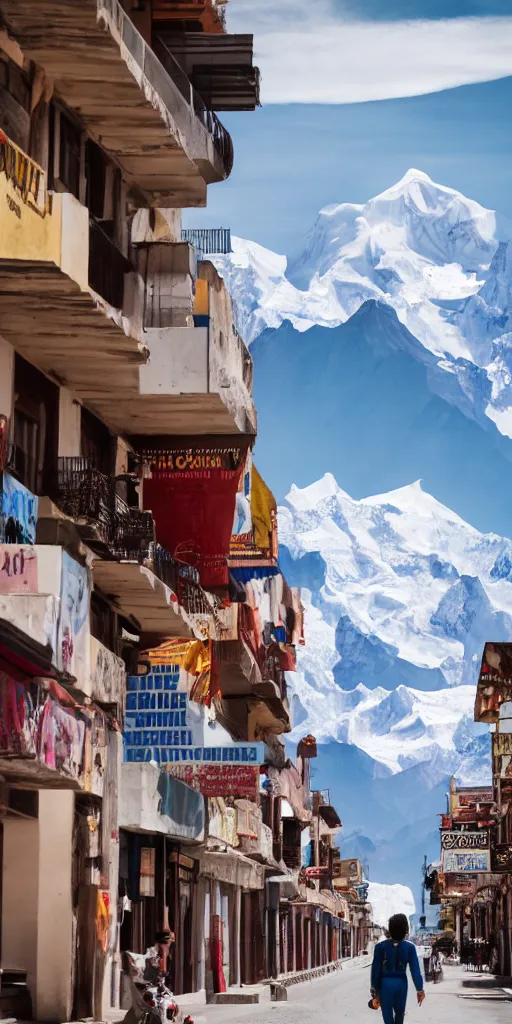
{"type": "Point", "coordinates": [26, 234]}
{"type": "Point", "coordinates": [201, 301]}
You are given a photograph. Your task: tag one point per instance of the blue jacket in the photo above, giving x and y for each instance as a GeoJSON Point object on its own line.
{"type": "Point", "coordinates": [390, 960]}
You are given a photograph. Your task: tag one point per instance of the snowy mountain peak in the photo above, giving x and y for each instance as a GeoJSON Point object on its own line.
{"type": "Point", "coordinates": [314, 494]}
{"type": "Point", "coordinates": [422, 249]}
{"type": "Point", "coordinates": [402, 596]}
{"type": "Point", "coordinates": [413, 499]}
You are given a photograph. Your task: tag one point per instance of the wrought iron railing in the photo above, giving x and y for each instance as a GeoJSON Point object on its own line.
{"type": "Point", "coordinates": [107, 523]}
{"type": "Point", "coordinates": [89, 497]}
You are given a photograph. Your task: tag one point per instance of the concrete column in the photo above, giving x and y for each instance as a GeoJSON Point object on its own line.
{"type": "Point", "coordinates": [238, 937]}
{"type": "Point", "coordinates": [54, 908]}
{"type": "Point", "coordinates": [20, 885]}
{"type": "Point", "coordinates": [70, 424]}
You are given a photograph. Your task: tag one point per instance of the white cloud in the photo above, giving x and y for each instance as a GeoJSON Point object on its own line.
{"type": "Point", "coordinates": [307, 56]}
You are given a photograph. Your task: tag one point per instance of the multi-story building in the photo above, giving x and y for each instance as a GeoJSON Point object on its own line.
{"type": "Point", "coordinates": [118, 358]}
{"type": "Point", "coordinates": [146, 631]}
{"type": "Point", "coordinates": [473, 883]}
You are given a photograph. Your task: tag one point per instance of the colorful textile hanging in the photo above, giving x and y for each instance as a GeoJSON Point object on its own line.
{"type": "Point", "coordinates": [192, 494]}
{"type": "Point", "coordinates": [253, 554]}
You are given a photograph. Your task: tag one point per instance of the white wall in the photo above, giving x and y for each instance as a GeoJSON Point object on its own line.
{"type": "Point", "coordinates": [6, 378]}
{"type": "Point", "coordinates": [55, 912]}
{"type": "Point", "coordinates": [74, 258]}
{"type": "Point", "coordinates": [178, 362]}
{"type": "Point", "coordinates": [20, 883]}
{"type": "Point", "coordinates": [37, 902]}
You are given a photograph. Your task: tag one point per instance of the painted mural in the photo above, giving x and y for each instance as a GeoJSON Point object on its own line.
{"type": "Point", "coordinates": [18, 519]}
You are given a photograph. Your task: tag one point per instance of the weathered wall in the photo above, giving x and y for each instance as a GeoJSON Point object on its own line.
{"type": "Point", "coordinates": [230, 362]}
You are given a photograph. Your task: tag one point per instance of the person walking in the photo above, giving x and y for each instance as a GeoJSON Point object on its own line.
{"type": "Point", "coordinates": [389, 972]}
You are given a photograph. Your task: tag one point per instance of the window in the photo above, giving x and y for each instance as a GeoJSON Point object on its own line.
{"type": "Point", "coordinates": [35, 428]}
{"type": "Point", "coordinates": [97, 443]}
{"type": "Point", "coordinates": [69, 155]}
{"type": "Point", "coordinates": [65, 166]}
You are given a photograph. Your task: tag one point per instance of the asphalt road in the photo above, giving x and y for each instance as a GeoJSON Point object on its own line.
{"type": "Point", "coordinates": [344, 997]}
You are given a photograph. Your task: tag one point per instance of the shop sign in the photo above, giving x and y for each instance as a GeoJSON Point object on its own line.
{"type": "Point", "coordinates": [163, 725]}
{"type": "Point", "coordinates": [458, 885]}
{"type": "Point", "coordinates": [318, 872]}
{"type": "Point", "coordinates": [465, 840]}
{"type": "Point", "coordinates": [183, 861]}
{"type": "Point", "coordinates": [220, 780]}
{"type": "Point", "coordinates": [480, 796]}
{"type": "Point", "coordinates": [501, 857]}
{"type": "Point", "coordinates": [147, 871]}
{"type": "Point", "coordinates": [502, 744]}
{"type": "Point", "coordinates": [455, 862]}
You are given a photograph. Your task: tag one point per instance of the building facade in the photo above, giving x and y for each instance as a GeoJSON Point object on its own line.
{"type": "Point", "coordinates": [146, 631]}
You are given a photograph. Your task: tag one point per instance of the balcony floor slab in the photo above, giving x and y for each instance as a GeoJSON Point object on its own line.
{"type": "Point", "coordinates": [102, 68]}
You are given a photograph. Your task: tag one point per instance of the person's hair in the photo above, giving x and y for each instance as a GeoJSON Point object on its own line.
{"type": "Point", "coordinates": [398, 927]}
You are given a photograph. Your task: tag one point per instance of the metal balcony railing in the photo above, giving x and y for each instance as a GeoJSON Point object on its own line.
{"type": "Point", "coordinates": [208, 241]}
{"type": "Point", "coordinates": [89, 497]}
{"type": "Point", "coordinates": [219, 135]}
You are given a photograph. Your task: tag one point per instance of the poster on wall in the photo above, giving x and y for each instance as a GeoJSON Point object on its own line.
{"type": "Point", "coordinates": [73, 626]}
{"type": "Point", "coordinates": [18, 512]}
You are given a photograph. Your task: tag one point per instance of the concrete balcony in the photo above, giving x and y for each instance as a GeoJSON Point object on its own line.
{"type": "Point", "coordinates": [151, 800]}
{"type": "Point", "coordinates": [168, 144]}
{"type": "Point", "coordinates": [50, 308]}
{"type": "Point", "coordinates": [46, 594]}
{"type": "Point", "coordinates": [255, 706]}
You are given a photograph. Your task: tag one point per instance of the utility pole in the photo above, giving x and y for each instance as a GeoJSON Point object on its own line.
{"type": "Point", "coordinates": [423, 919]}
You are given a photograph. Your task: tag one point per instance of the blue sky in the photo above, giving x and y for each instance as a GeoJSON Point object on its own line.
{"type": "Point", "coordinates": [354, 93]}
{"type": "Point", "coordinates": [292, 160]}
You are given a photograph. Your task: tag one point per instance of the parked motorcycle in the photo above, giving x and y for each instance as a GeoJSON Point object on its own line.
{"type": "Point", "coordinates": [152, 1000]}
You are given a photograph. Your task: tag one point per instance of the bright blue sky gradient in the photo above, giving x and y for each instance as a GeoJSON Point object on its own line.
{"type": "Point", "coordinates": [290, 161]}
{"type": "Point", "coordinates": [383, 10]}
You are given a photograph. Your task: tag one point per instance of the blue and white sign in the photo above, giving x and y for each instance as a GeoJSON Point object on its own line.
{"type": "Point", "coordinates": [163, 725]}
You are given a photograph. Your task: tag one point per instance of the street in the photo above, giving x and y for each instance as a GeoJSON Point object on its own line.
{"type": "Point", "coordinates": [344, 997]}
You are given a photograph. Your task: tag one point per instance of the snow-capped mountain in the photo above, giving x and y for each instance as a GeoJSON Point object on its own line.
{"type": "Point", "coordinates": [441, 261]}
{"type": "Point", "coordinates": [383, 355]}
{"type": "Point", "coordinates": [400, 596]}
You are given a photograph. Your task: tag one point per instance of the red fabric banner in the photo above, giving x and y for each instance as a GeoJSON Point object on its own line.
{"type": "Point", "coordinates": [192, 495]}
